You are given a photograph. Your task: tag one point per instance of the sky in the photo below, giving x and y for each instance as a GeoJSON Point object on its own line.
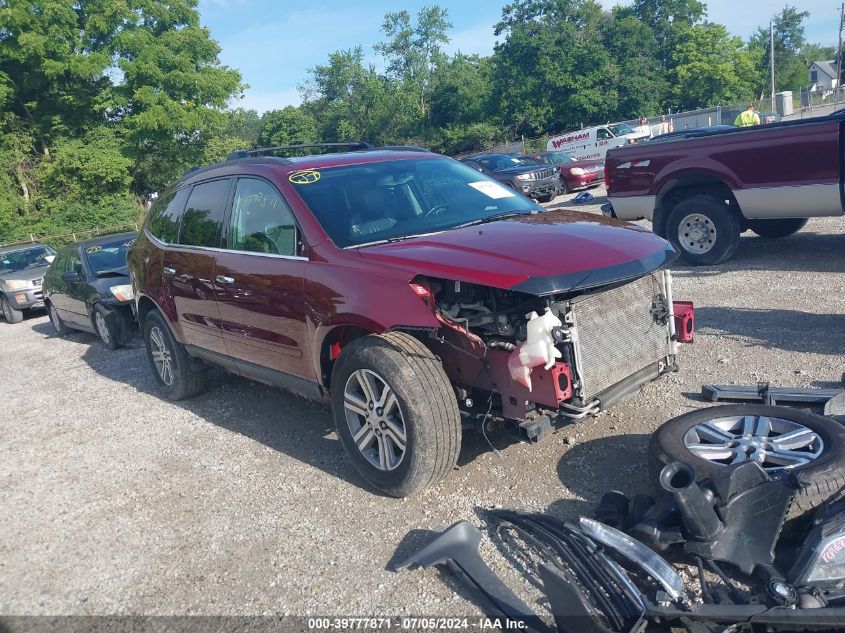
{"type": "Point", "coordinates": [273, 43]}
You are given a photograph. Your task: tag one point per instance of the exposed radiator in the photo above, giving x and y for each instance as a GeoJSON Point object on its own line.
{"type": "Point", "coordinates": [617, 334]}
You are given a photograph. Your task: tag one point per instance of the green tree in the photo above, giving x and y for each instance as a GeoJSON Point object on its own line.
{"type": "Point", "coordinates": [552, 70]}
{"type": "Point", "coordinates": [100, 99]}
{"type": "Point", "coordinates": [789, 39]}
{"type": "Point", "coordinates": [640, 78]}
{"type": "Point", "coordinates": [244, 125]}
{"type": "Point", "coordinates": [413, 52]}
{"type": "Point", "coordinates": [174, 90]}
{"type": "Point", "coordinates": [709, 67]}
{"type": "Point", "coordinates": [461, 91]}
{"type": "Point", "coordinates": [351, 102]}
{"type": "Point", "coordinates": [289, 126]}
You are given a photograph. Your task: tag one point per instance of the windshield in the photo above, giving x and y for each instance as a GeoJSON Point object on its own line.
{"type": "Point", "coordinates": [15, 261]}
{"type": "Point", "coordinates": [109, 256]}
{"type": "Point", "coordinates": [496, 162]}
{"type": "Point", "coordinates": [621, 129]}
{"type": "Point", "coordinates": [361, 204]}
{"type": "Point", "coordinates": [561, 158]}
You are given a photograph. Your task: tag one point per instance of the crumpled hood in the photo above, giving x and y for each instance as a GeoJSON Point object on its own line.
{"type": "Point", "coordinates": [544, 253]}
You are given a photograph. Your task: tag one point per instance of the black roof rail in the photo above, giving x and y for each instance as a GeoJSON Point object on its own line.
{"type": "Point", "coordinates": [192, 169]}
{"type": "Point", "coordinates": [400, 148]}
{"type": "Point", "coordinates": [263, 151]}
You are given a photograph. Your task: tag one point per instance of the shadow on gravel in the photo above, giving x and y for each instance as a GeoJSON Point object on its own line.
{"type": "Point", "coordinates": [803, 252]}
{"type": "Point", "coordinates": [286, 423]}
{"type": "Point", "coordinates": [783, 329]}
{"type": "Point", "coordinates": [592, 468]}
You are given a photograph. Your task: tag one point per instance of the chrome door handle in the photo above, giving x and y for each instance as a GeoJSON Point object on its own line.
{"type": "Point", "coordinates": [223, 279]}
{"type": "Point", "coordinates": [167, 270]}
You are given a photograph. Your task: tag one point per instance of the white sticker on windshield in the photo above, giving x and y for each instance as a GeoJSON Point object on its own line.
{"type": "Point", "coordinates": [492, 189]}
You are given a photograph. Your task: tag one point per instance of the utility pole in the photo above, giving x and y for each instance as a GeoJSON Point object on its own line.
{"type": "Point", "coordinates": [772, 58]}
{"type": "Point", "coordinates": [839, 48]}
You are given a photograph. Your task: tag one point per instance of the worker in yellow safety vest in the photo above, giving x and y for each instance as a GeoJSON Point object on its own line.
{"type": "Point", "coordinates": [747, 118]}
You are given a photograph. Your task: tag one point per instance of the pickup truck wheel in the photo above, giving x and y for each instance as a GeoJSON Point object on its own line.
{"type": "Point", "coordinates": [395, 413]}
{"type": "Point", "coordinates": [777, 228]}
{"type": "Point", "coordinates": [703, 230]}
{"type": "Point", "coordinates": [779, 439]}
{"type": "Point", "coordinates": [170, 362]}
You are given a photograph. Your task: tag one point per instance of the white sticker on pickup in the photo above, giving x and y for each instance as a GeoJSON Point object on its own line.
{"type": "Point", "coordinates": [492, 189]}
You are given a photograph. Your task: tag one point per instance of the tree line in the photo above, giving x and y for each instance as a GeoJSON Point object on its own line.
{"type": "Point", "coordinates": [104, 102]}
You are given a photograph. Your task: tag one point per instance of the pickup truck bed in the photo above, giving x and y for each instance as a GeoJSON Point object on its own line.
{"type": "Point", "coordinates": [702, 191]}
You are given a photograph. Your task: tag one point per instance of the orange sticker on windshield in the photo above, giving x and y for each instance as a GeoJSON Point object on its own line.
{"type": "Point", "coordinates": [304, 177]}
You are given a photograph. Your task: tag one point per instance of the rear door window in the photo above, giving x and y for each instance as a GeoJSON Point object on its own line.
{"type": "Point", "coordinates": [164, 216]}
{"type": "Point", "coordinates": [261, 220]}
{"type": "Point", "coordinates": [202, 221]}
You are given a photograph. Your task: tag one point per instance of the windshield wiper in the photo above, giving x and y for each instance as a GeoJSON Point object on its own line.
{"type": "Point", "coordinates": [502, 215]}
{"type": "Point", "coordinates": [109, 272]}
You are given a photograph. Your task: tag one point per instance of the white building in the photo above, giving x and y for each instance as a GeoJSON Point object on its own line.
{"type": "Point", "coordinates": [823, 76]}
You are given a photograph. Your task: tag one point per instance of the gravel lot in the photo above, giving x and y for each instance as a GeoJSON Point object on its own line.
{"type": "Point", "coordinates": [241, 501]}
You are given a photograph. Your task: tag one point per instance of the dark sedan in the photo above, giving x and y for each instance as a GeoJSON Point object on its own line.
{"type": "Point", "coordinates": [530, 178]}
{"type": "Point", "coordinates": [88, 288]}
{"type": "Point", "coordinates": [574, 174]}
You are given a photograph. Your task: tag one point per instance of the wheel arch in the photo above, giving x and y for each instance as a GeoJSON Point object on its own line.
{"type": "Point", "coordinates": [332, 339]}
{"type": "Point", "coordinates": [686, 185]}
{"type": "Point", "coordinates": [145, 305]}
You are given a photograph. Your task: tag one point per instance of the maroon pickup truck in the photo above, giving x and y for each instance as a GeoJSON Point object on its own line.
{"type": "Point", "coordinates": [703, 189]}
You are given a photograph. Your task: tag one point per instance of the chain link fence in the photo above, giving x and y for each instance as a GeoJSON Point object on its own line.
{"type": "Point", "coordinates": [805, 104]}
{"type": "Point", "coordinates": [74, 236]}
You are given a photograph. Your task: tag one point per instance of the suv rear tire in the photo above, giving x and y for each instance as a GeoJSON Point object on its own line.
{"type": "Point", "coordinates": [703, 229]}
{"type": "Point", "coordinates": [395, 413]}
{"type": "Point", "coordinates": [170, 362]}
{"type": "Point", "coordinates": [777, 228]}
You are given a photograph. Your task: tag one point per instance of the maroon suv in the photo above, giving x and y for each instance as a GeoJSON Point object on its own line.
{"type": "Point", "coordinates": [415, 294]}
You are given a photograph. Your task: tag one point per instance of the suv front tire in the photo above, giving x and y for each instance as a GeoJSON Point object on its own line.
{"type": "Point", "coordinates": [395, 413]}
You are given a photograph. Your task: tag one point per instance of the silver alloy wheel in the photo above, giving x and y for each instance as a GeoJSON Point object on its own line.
{"type": "Point", "coordinates": [102, 327]}
{"type": "Point", "coordinates": [697, 233]}
{"type": "Point", "coordinates": [375, 419]}
{"type": "Point", "coordinates": [161, 355]}
{"type": "Point", "coordinates": [774, 443]}
{"type": "Point", "coordinates": [54, 318]}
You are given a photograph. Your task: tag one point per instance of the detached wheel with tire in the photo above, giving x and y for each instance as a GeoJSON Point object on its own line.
{"type": "Point", "coordinates": [395, 413]}
{"type": "Point", "coordinates": [9, 313]}
{"type": "Point", "coordinates": [169, 360]}
{"type": "Point", "coordinates": [56, 320]}
{"type": "Point", "coordinates": [777, 438]}
{"type": "Point", "coordinates": [777, 228]}
{"type": "Point", "coordinates": [703, 229]}
{"type": "Point", "coordinates": [108, 326]}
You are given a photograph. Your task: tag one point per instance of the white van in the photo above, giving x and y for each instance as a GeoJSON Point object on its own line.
{"type": "Point", "coordinates": [593, 142]}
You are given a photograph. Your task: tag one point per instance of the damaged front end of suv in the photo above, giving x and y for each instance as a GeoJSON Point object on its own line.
{"type": "Point", "coordinates": [557, 349]}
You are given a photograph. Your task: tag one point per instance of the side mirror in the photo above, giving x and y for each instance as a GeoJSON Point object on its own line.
{"type": "Point", "coordinates": [71, 277]}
